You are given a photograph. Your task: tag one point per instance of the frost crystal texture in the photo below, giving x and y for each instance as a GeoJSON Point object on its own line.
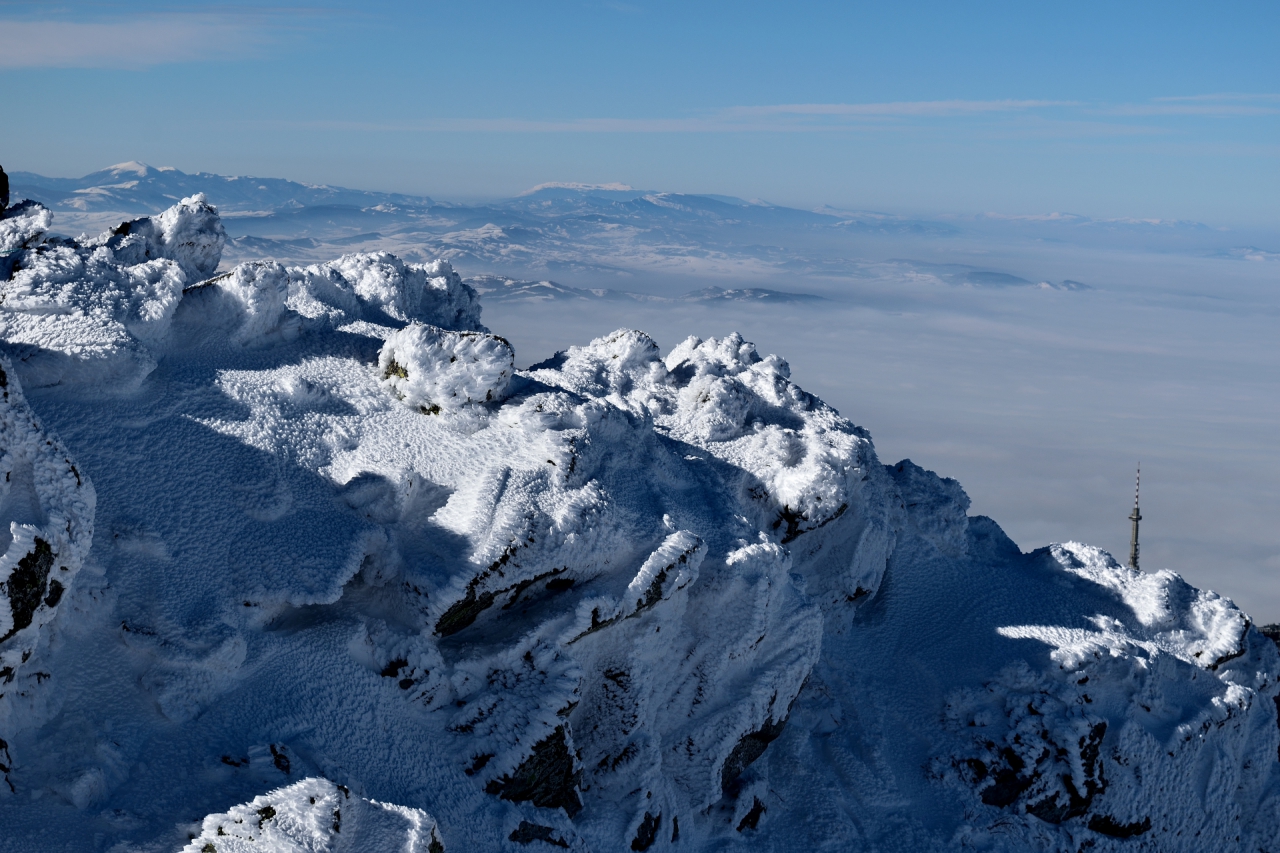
{"type": "Point", "coordinates": [299, 549]}
{"type": "Point", "coordinates": [431, 368]}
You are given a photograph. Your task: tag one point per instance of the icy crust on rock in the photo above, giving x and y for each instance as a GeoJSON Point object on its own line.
{"type": "Point", "coordinates": [23, 227]}
{"type": "Point", "coordinates": [98, 312]}
{"type": "Point", "coordinates": [379, 287]}
{"type": "Point", "coordinates": [90, 311]}
{"type": "Point", "coordinates": [1078, 704]}
{"type": "Point", "coordinates": [47, 514]}
{"type": "Point", "coordinates": [792, 463]}
{"type": "Point", "coordinates": [615, 601]}
{"type": "Point", "coordinates": [1172, 679]}
{"type": "Point", "coordinates": [257, 291]}
{"type": "Point", "coordinates": [430, 368]}
{"type": "Point", "coordinates": [1041, 734]}
{"type": "Point", "coordinates": [1170, 616]}
{"type": "Point", "coordinates": [317, 815]}
{"type": "Point", "coordinates": [189, 234]}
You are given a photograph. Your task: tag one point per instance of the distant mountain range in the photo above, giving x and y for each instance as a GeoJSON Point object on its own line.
{"type": "Point", "coordinates": [589, 237]}
{"type": "Point", "coordinates": [135, 187]}
{"type": "Point", "coordinates": [500, 289]}
{"type": "Point", "coordinates": [965, 275]}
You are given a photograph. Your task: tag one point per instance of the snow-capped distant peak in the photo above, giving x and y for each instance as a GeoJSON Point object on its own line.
{"type": "Point", "coordinates": [563, 185]}
{"type": "Point", "coordinates": [134, 167]}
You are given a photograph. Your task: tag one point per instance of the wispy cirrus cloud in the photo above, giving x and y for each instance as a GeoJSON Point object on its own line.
{"type": "Point", "coordinates": [135, 42]}
{"type": "Point", "coordinates": [1195, 109]}
{"type": "Point", "coordinates": [1224, 96]}
{"type": "Point", "coordinates": [896, 108]}
{"type": "Point", "coordinates": [1223, 105]}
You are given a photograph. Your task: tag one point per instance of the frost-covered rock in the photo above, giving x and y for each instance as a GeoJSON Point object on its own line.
{"type": "Point", "coordinates": [94, 312]}
{"type": "Point", "coordinates": [189, 234]}
{"type": "Point", "coordinates": [379, 287]}
{"type": "Point", "coordinates": [615, 601]}
{"type": "Point", "coordinates": [1072, 691]}
{"type": "Point", "coordinates": [430, 368]}
{"type": "Point", "coordinates": [46, 530]}
{"type": "Point", "coordinates": [936, 507]}
{"type": "Point", "coordinates": [793, 462]}
{"type": "Point", "coordinates": [1095, 742]}
{"type": "Point", "coordinates": [313, 815]}
{"type": "Point", "coordinates": [99, 313]}
{"type": "Point", "coordinates": [23, 226]}
{"type": "Point", "coordinates": [258, 291]}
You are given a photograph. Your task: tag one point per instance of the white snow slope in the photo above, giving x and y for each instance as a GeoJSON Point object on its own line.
{"type": "Point", "coordinates": [297, 560]}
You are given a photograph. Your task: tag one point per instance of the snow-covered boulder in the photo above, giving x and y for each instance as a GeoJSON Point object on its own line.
{"type": "Point", "coordinates": [94, 313]}
{"type": "Point", "coordinates": [99, 313]}
{"type": "Point", "coordinates": [258, 291]}
{"type": "Point", "coordinates": [321, 293]}
{"type": "Point", "coordinates": [1163, 676]}
{"type": "Point", "coordinates": [379, 287]}
{"type": "Point", "coordinates": [1052, 699]}
{"type": "Point", "coordinates": [792, 461]}
{"type": "Point", "coordinates": [936, 507]}
{"type": "Point", "coordinates": [313, 815]}
{"type": "Point", "coordinates": [430, 368]}
{"type": "Point", "coordinates": [189, 234]}
{"type": "Point", "coordinates": [23, 226]}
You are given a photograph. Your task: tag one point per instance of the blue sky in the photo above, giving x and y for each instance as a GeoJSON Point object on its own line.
{"type": "Point", "coordinates": [1152, 110]}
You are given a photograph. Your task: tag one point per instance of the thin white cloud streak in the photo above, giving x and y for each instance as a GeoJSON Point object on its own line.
{"type": "Point", "coordinates": [1220, 105]}
{"type": "Point", "coordinates": [596, 125]}
{"type": "Point", "coordinates": [137, 43]}
{"type": "Point", "coordinates": [1220, 110]}
{"type": "Point", "coordinates": [585, 125]}
{"type": "Point", "coordinates": [896, 108]}
{"type": "Point", "coordinates": [1222, 96]}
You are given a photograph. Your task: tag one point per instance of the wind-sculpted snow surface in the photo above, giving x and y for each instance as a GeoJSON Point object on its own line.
{"type": "Point", "coordinates": [1116, 676]}
{"type": "Point", "coordinates": [358, 583]}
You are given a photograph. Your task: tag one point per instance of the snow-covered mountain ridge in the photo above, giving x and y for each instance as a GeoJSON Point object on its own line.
{"type": "Point", "coordinates": [331, 574]}
{"type": "Point", "coordinates": [135, 187]}
{"type": "Point", "coordinates": [582, 234]}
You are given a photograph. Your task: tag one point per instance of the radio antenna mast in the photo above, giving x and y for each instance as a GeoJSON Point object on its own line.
{"type": "Point", "coordinates": [1135, 517]}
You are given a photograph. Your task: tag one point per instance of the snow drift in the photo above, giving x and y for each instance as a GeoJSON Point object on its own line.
{"type": "Point", "coordinates": [332, 574]}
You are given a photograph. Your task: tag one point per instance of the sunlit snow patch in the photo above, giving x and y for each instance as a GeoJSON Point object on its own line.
{"type": "Point", "coordinates": [314, 815]}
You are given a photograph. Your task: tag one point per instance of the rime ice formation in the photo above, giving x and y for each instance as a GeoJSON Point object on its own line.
{"type": "Point", "coordinates": [431, 368]}
{"type": "Point", "coordinates": [316, 814]}
{"type": "Point", "coordinates": [381, 287]}
{"type": "Point", "coordinates": [87, 311]}
{"type": "Point", "coordinates": [298, 560]}
{"type": "Point", "coordinates": [49, 509]}
{"type": "Point", "coordinates": [23, 226]}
